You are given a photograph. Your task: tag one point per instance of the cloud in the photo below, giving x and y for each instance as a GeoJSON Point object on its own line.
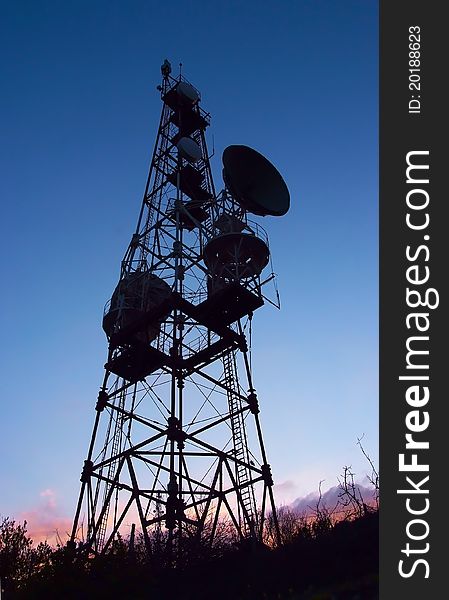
{"type": "Point", "coordinates": [285, 491]}
{"type": "Point", "coordinates": [329, 499]}
{"type": "Point", "coordinates": [45, 522]}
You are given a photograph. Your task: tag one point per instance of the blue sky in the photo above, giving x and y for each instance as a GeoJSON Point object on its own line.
{"type": "Point", "coordinates": [79, 112]}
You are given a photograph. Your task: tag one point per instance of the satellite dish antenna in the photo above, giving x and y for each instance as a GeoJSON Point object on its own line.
{"type": "Point", "coordinates": [254, 182]}
{"type": "Point", "coordinates": [187, 94]}
{"type": "Point", "coordinates": [189, 149]}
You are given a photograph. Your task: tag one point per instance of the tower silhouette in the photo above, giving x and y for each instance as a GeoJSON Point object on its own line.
{"type": "Point", "coordinates": [177, 444]}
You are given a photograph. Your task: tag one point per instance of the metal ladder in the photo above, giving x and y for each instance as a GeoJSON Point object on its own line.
{"type": "Point", "coordinates": [240, 446]}
{"type": "Point", "coordinates": [112, 468]}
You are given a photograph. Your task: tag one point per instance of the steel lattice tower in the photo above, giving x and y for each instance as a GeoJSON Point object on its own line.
{"type": "Point", "coordinates": [177, 443]}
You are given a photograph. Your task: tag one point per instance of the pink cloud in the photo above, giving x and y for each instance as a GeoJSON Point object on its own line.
{"type": "Point", "coordinates": [45, 522]}
{"type": "Point", "coordinates": [330, 499]}
{"type": "Point", "coordinates": [284, 492]}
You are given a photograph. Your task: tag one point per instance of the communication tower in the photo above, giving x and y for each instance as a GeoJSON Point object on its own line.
{"type": "Point", "coordinates": [177, 444]}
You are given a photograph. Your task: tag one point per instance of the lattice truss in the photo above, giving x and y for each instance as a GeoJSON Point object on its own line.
{"type": "Point", "coordinates": [177, 445]}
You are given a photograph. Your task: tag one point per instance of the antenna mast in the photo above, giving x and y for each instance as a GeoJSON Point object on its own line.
{"type": "Point", "coordinates": [177, 442]}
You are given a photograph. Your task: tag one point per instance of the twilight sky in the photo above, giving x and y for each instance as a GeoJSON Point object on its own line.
{"type": "Point", "coordinates": [297, 80]}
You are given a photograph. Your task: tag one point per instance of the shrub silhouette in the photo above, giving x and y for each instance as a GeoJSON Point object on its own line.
{"type": "Point", "coordinates": [331, 552]}
{"type": "Point", "coordinates": [315, 552]}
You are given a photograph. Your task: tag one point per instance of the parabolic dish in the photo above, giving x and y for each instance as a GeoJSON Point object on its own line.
{"type": "Point", "coordinates": [255, 183]}
{"type": "Point", "coordinates": [187, 93]}
{"type": "Point", "coordinates": [189, 149]}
